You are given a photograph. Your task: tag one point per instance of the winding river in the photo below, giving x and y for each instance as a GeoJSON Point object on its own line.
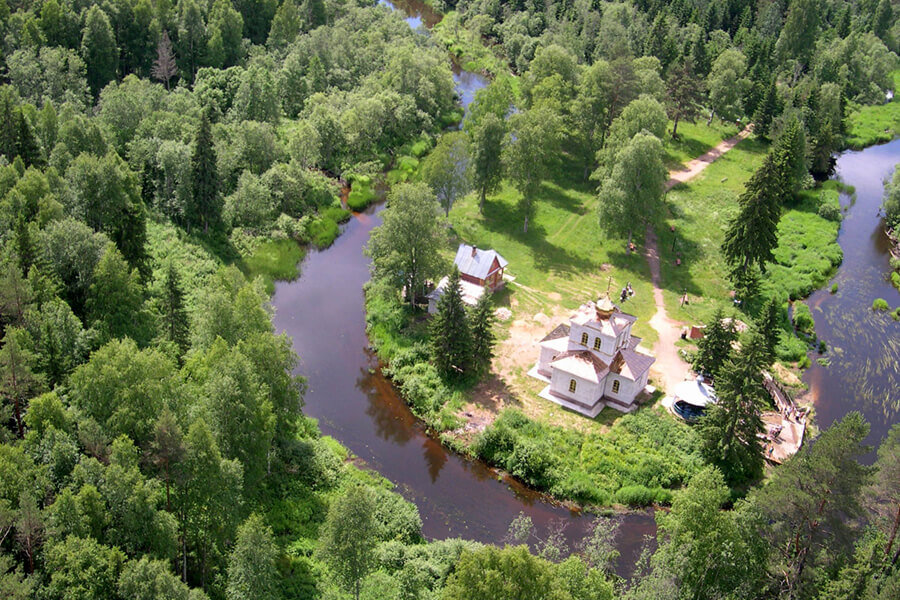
{"type": "Point", "coordinates": [323, 313]}
{"type": "Point", "coordinates": [863, 345]}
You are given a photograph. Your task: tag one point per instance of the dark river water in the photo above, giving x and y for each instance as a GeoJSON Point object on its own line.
{"type": "Point", "coordinates": [863, 346]}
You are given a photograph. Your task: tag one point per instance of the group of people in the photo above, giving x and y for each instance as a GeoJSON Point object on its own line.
{"type": "Point", "coordinates": [627, 292]}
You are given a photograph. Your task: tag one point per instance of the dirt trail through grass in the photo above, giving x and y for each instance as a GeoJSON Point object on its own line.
{"type": "Point", "coordinates": [669, 367]}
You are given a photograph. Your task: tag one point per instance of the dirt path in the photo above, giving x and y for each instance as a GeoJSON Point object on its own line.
{"type": "Point", "coordinates": [696, 166]}
{"type": "Point", "coordinates": [669, 368]}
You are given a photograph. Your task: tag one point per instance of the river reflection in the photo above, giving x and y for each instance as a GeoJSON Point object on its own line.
{"type": "Point", "coordinates": [863, 346]}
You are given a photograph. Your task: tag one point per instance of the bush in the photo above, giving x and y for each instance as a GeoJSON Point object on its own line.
{"type": "Point", "coordinates": [830, 212]}
{"type": "Point", "coordinates": [834, 288]}
{"type": "Point", "coordinates": [880, 305]}
{"type": "Point", "coordinates": [803, 319]}
{"type": "Point", "coordinates": [362, 192]}
{"type": "Point", "coordinates": [422, 388]}
{"type": "Point", "coordinates": [790, 348]}
{"type": "Point", "coordinates": [635, 495]}
{"type": "Point", "coordinates": [533, 461]}
{"type": "Point", "coordinates": [322, 232]}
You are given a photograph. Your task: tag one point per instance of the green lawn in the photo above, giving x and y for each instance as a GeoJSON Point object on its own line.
{"type": "Point", "coordinates": [699, 210]}
{"type": "Point", "coordinates": [695, 139]}
{"type": "Point", "coordinates": [564, 253]}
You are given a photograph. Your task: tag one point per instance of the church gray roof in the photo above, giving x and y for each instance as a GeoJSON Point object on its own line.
{"type": "Point", "coordinates": [475, 262]}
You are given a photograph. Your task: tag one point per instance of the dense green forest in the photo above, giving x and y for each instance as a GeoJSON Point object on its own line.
{"type": "Point", "coordinates": [155, 154]}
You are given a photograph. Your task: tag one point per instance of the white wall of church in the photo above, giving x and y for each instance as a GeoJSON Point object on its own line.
{"type": "Point", "coordinates": [586, 392]}
{"type": "Point", "coordinates": [606, 345]}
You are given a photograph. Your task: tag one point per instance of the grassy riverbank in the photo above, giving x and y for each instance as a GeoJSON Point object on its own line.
{"type": "Point", "coordinates": [870, 125]}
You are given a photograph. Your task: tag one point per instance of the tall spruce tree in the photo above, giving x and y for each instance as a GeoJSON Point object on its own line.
{"type": "Point", "coordinates": [752, 234]}
{"type": "Point", "coordinates": [175, 322]}
{"type": "Point", "coordinates": [482, 320]}
{"type": "Point", "coordinates": [731, 427]}
{"type": "Point", "coordinates": [790, 154]}
{"type": "Point", "coordinates": [451, 337]}
{"type": "Point", "coordinates": [27, 146]}
{"type": "Point", "coordinates": [769, 325]}
{"type": "Point", "coordinates": [766, 111]}
{"type": "Point", "coordinates": [714, 348]}
{"type": "Point", "coordinates": [205, 208]}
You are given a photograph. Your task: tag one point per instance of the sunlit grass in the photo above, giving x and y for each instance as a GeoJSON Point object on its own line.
{"type": "Point", "coordinates": [868, 125]}
{"type": "Point", "coordinates": [695, 139]}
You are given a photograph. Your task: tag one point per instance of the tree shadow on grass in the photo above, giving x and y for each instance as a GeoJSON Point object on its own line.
{"type": "Point", "coordinates": [503, 218]}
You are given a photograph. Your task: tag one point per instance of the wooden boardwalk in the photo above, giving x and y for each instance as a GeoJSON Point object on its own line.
{"type": "Point", "coordinates": [786, 427]}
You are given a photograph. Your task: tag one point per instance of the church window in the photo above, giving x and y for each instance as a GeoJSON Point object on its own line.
{"type": "Point", "coordinates": [615, 386]}
{"type": "Point", "coordinates": [571, 385]}
{"type": "Point", "coordinates": [597, 342]}
{"type": "Point", "coordinates": [584, 339]}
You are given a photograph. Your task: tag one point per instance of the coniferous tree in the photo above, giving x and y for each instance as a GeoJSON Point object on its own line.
{"type": "Point", "coordinates": [769, 325]}
{"type": "Point", "coordinates": [789, 152]}
{"type": "Point", "coordinates": [175, 322]}
{"type": "Point", "coordinates": [883, 494]}
{"type": "Point", "coordinates": [752, 234]}
{"type": "Point", "coordinates": [714, 348]}
{"type": "Point", "coordinates": [315, 13]}
{"type": "Point", "coordinates": [685, 94]}
{"type": "Point", "coordinates": [451, 337]}
{"type": "Point", "coordinates": [192, 38]}
{"type": "Point", "coordinates": [131, 238]}
{"type": "Point", "coordinates": [167, 450]}
{"type": "Point", "coordinates": [205, 208]}
{"type": "Point", "coordinates": [18, 383]}
{"type": "Point", "coordinates": [8, 129]}
{"type": "Point", "coordinates": [164, 67]}
{"type": "Point", "coordinates": [98, 48]}
{"type": "Point", "coordinates": [766, 111]}
{"type": "Point", "coordinates": [731, 427]}
{"type": "Point", "coordinates": [483, 339]}
{"type": "Point", "coordinates": [26, 249]}
{"type": "Point", "coordinates": [15, 291]}
{"type": "Point", "coordinates": [27, 146]}
{"type": "Point", "coordinates": [699, 57]}
{"type": "Point", "coordinates": [884, 20]}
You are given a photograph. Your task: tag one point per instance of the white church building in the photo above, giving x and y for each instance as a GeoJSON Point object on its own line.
{"type": "Point", "coordinates": [593, 361]}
